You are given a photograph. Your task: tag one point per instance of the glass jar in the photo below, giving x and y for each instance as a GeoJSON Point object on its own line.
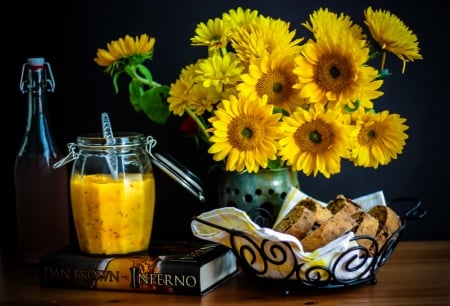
{"type": "Point", "coordinates": [112, 191]}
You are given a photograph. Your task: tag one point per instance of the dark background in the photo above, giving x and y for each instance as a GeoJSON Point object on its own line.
{"type": "Point", "coordinates": [68, 33]}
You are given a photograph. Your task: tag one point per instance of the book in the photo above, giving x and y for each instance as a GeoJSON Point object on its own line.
{"type": "Point", "coordinates": [171, 267]}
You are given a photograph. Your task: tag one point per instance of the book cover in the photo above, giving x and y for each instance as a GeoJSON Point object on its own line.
{"type": "Point", "coordinates": [174, 267]}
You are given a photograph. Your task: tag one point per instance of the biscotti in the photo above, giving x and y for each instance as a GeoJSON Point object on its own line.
{"type": "Point", "coordinates": [388, 222]}
{"type": "Point", "coordinates": [298, 222]}
{"type": "Point", "coordinates": [336, 226]}
{"type": "Point", "coordinates": [321, 213]}
{"type": "Point", "coordinates": [316, 225]}
{"type": "Point", "coordinates": [366, 225]}
{"type": "Point", "coordinates": [341, 203]}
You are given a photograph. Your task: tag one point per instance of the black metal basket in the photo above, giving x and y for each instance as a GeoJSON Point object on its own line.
{"type": "Point", "coordinates": [356, 261]}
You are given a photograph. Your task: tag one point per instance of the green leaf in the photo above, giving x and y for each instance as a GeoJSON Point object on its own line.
{"type": "Point", "coordinates": [154, 104]}
{"type": "Point", "coordinates": [136, 91]}
{"type": "Point", "coordinates": [275, 164]}
{"type": "Point", "coordinates": [355, 107]}
{"type": "Point", "coordinates": [277, 110]}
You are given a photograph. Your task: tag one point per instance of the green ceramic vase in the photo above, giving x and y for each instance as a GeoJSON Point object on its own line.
{"type": "Point", "coordinates": [260, 195]}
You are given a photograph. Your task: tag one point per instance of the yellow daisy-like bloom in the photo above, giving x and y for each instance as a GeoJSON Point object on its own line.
{"type": "Point", "coordinates": [214, 34]}
{"type": "Point", "coordinates": [333, 71]}
{"type": "Point", "coordinates": [245, 133]}
{"type": "Point", "coordinates": [322, 21]}
{"type": "Point", "coordinates": [380, 139]}
{"type": "Point", "coordinates": [392, 35]}
{"type": "Point", "coordinates": [130, 50]}
{"type": "Point", "coordinates": [179, 92]}
{"type": "Point", "coordinates": [264, 36]}
{"type": "Point", "coordinates": [202, 99]}
{"type": "Point", "coordinates": [316, 141]}
{"type": "Point", "coordinates": [239, 17]}
{"type": "Point", "coordinates": [272, 77]}
{"type": "Point", "coordinates": [218, 70]}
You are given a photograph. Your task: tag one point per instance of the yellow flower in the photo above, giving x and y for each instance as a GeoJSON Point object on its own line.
{"type": "Point", "coordinates": [180, 90]}
{"type": "Point", "coordinates": [316, 141]}
{"type": "Point", "coordinates": [380, 139]}
{"type": "Point", "coordinates": [214, 34]}
{"type": "Point", "coordinates": [273, 77]}
{"type": "Point", "coordinates": [263, 97]}
{"type": "Point", "coordinates": [264, 36]}
{"type": "Point", "coordinates": [392, 35]}
{"type": "Point", "coordinates": [322, 21]}
{"type": "Point", "coordinates": [219, 71]}
{"type": "Point", "coordinates": [245, 133]}
{"type": "Point", "coordinates": [333, 71]}
{"type": "Point", "coordinates": [202, 99]}
{"type": "Point", "coordinates": [129, 50]}
{"type": "Point", "coordinates": [239, 17]}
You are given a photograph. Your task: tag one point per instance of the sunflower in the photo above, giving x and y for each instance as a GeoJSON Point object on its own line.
{"type": "Point", "coordinates": [245, 133]}
{"type": "Point", "coordinates": [272, 77]}
{"type": "Point", "coordinates": [316, 140]}
{"type": "Point", "coordinates": [381, 138]}
{"type": "Point", "coordinates": [124, 52]}
{"type": "Point", "coordinates": [392, 35]}
{"type": "Point", "coordinates": [333, 71]}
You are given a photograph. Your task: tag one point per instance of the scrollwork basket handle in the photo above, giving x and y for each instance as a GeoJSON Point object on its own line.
{"type": "Point", "coordinates": [415, 212]}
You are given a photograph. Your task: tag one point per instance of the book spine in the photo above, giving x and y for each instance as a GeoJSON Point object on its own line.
{"type": "Point", "coordinates": [127, 274]}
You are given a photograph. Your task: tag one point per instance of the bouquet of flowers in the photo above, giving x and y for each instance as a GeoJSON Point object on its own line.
{"type": "Point", "coordinates": [264, 98]}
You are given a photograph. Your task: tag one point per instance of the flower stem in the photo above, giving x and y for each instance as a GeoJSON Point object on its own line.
{"type": "Point", "coordinates": [197, 120]}
{"type": "Point", "coordinates": [136, 77]}
{"type": "Point", "coordinates": [383, 59]}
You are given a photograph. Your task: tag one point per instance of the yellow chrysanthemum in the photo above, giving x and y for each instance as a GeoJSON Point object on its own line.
{"type": "Point", "coordinates": [316, 141]}
{"type": "Point", "coordinates": [333, 71]}
{"type": "Point", "coordinates": [214, 34]}
{"type": "Point", "coordinates": [264, 36]}
{"type": "Point", "coordinates": [322, 21]}
{"type": "Point", "coordinates": [380, 139]}
{"type": "Point", "coordinates": [245, 133]}
{"type": "Point", "coordinates": [239, 17]}
{"type": "Point", "coordinates": [272, 77]}
{"type": "Point", "coordinates": [392, 35]}
{"type": "Point", "coordinates": [125, 51]}
{"type": "Point", "coordinates": [217, 71]}
{"type": "Point", "coordinates": [179, 92]}
{"type": "Point", "coordinates": [202, 99]}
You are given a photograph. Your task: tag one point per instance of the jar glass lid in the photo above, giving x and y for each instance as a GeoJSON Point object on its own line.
{"type": "Point", "coordinates": [176, 170]}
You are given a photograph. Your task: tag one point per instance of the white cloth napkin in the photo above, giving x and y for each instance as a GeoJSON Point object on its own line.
{"type": "Point", "coordinates": [278, 267]}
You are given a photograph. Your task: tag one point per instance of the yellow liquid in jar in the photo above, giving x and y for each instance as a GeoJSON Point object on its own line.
{"type": "Point", "coordinates": [113, 216]}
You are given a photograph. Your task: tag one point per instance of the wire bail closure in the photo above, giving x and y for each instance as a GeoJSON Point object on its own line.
{"type": "Point", "coordinates": [164, 162]}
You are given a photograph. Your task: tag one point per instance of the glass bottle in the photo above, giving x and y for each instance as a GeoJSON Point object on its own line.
{"type": "Point", "coordinates": [42, 193]}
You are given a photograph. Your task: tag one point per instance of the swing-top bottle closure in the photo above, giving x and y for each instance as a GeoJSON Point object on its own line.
{"type": "Point", "coordinates": [36, 64]}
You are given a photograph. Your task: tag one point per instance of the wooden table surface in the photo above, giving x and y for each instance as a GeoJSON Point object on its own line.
{"type": "Point", "coordinates": [418, 273]}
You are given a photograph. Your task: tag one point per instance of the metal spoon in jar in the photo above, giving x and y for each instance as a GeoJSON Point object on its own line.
{"type": "Point", "coordinates": [111, 157]}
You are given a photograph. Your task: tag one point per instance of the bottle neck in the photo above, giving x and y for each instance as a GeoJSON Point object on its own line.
{"type": "Point", "coordinates": [38, 139]}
